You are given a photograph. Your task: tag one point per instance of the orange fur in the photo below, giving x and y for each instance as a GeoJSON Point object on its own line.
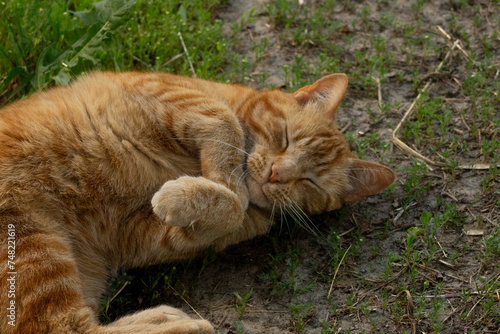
{"type": "Point", "coordinates": [122, 169]}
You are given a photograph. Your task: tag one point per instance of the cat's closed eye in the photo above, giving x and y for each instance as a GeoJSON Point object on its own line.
{"type": "Point", "coordinates": [285, 143]}
{"type": "Point", "coordinates": [309, 181]}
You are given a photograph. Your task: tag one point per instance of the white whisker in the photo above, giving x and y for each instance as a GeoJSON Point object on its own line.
{"type": "Point", "coordinates": [231, 175]}
{"type": "Point", "coordinates": [281, 218]}
{"type": "Point", "coordinates": [215, 140]}
{"type": "Point", "coordinates": [242, 178]}
{"type": "Point", "coordinates": [272, 212]}
{"type": "Point", "coordinates": [300, 220]}
{"type": "Point", "coordinates": [304, 215]}
{"type": "Point", "coordinates": [286, 220]}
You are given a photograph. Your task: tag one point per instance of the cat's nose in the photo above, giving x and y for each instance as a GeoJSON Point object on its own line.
{"type": "Point", "coordinates": [276, 175]}
{"type": "Point", "coordinates": [273, 178]}
{"type": "Point", "coordinates": [282, 171]}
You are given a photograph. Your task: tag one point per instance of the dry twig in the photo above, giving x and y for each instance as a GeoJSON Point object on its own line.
{"type": "Point", "coordinates": [116, 294]}
{"type": "Point", "coordinates": [184, 299]}
{"type": "Point", "coordinates": [187, 54]}
{"type": "Point", "coordinates": [337, 270]}
{"type": "Point", "coordinates": [173, 58]}
{"type": "Point", "coordinates": [377, 80]}
{"type": "Point", "coordinates": [445, 34]}
{"type": "Point", "coordinates": [410, 308]}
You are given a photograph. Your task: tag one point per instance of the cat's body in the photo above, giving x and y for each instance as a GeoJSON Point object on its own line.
{"type": "Point", "coordinates": [123, 169]}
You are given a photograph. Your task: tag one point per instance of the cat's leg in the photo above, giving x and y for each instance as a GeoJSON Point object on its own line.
{"type": "Point", "coordinates": [43, 291]}
{"type": "Point", "coordinates": [162, 318]}
{"type": "Point", "coordinates": [156, 315]}
{"type": "Point", "coordinates": [183, 326]}
{"type": "Point", "coordinates": [212, 205]}
{"type": "Point", "coordinates": [212, 132]}
{"type": "Point", "coordinates": [39, 281]}
{"type": "Point", "coordinates": [156, 323]}
{"type": "Point", "coordinates": [256, 222]}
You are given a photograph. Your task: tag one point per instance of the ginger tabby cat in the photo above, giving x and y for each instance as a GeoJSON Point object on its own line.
{"type": "Point", "coordinates": [118, 170]}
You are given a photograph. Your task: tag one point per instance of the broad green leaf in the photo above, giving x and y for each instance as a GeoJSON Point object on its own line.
{"type": "Point", "coordinates": [63, 77]}
{"type": "Point", "coordinates": [106, 16]}
{"type": "Point", "coordinates": [41, 71]}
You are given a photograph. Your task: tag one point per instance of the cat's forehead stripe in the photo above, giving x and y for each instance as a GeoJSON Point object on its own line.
{"type": "Point", "coordinates": [273, 107]}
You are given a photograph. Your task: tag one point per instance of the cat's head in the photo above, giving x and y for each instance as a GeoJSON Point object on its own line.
{"type": "Point", "coordinates": [298, 158]}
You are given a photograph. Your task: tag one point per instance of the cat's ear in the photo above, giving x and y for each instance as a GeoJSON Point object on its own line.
{"type": "Point", "coordinates": [367, 178]}
{"type": "Point", "coordinates": [325, 94]}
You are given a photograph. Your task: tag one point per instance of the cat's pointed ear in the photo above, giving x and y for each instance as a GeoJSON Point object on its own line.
{"type": "Point", "coordinates": [325, 94]}
{"type": "Point", "coordinates": [367, 178]}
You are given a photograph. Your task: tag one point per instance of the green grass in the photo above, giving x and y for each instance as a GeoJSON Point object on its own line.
{"type": "Point", "coordinates": [46, 42]}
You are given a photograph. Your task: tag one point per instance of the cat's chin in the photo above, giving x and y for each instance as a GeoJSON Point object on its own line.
{"type": "Point", "coordinates": [257, 195]}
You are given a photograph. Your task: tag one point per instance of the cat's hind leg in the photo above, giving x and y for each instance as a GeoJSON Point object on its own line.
{"type": "Point", "coordinates": [183, 326]}
{"type": "Point", "coordinates": [161, 319]}
{"type": "Point", "coordinates": [156, 315]}
{"type": "Point", "coordinates": [39, 281]}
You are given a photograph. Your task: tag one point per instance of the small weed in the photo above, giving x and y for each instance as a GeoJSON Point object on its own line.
{"type": "Point", "coordinates": [489, 147]}
{"type": "Point", "coordinates": [415, 185]}
{"type": "Point", "coordinates": [300, 313]}
{"type": "Point", "coordinates": [260, 49]}
{"type": "Point", "coordinates": [282, 12]}
{"type": "Point", "coordinates": [391, 258]}
{"type": "Point", "coordinates": [491, 178]}
{"type": "Point", "coordinates": [242, 301]}
{"type": "Point", "coordinates": [246, 18]}
{"type": "Point", "coordinates": [491, 246]}
{"type": "Point", "coordinates": [326, 328]}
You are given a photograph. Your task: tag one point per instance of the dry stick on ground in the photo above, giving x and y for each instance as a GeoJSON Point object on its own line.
{"type": "Point", "coordinates": [173, 58]}
{"type": "Point", "coordinates": [185, 301]}
{"type": "Point", "coordinates": [337, 270]}
{"type": "Point", "coordinates": [445, 34]}
{"type": "Point", "coordinates": [398, 142]}
{"type": "Point", "coordinates": [377, 80]}
{"type": "Point", "coordinates": [449, 265]}
{"type": "Point", "coordinates": [441, 273]}
{"type": "Point", "coordinates": [449, 295]}
{"type": "Point", "coordinates": [344, 129]}
{"type": "Point", "coordinates": [484, 294]}
{"type": "Point", "coordinates": [403, 210]}
{"type": "Point", "coordinates": [410, 310]}
{"type": "Point", "coordinates": [187, 54]}
{"type": "Point", "coordinates": [116, 294]}
{"type": "Point", "coordinates": [360, 298]}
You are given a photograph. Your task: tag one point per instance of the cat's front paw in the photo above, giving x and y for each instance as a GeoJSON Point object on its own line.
{"type": "Point", "coordinates": [199, 203]}
{"type": "Point", "coordinates": [169, 203]}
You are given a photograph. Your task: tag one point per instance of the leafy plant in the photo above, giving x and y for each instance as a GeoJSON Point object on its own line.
{"type": "Point", "coordinates": [242, 300]}
{"type": "Point", "coordinates": [84, 42]}
{"type": "Point", "coordinates": [99, 22]}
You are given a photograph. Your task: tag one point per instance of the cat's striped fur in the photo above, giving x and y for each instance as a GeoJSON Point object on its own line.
{"type": "Point", "coordinates": [118, 170]}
